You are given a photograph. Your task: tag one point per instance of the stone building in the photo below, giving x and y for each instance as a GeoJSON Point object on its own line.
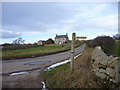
{"type": "Point", "coordinates": [41, 42]}
{"type": "Point", "coordinates": [59, 39]}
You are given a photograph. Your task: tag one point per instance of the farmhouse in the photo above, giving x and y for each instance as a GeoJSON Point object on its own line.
{"type": "Point", "coordinates": [59, 39]}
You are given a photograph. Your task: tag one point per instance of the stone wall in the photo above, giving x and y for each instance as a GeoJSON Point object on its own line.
{"type": "Point", "coordinates": [105, 67]}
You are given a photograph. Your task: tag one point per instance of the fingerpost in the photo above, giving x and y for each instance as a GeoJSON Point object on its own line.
{"type": "Point", "coordinates": [72, 51]}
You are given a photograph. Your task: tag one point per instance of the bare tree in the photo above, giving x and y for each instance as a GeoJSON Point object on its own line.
{"type": "Point", "coordinates": [18, 41]}
{"type": "Point", "coordinates": [117, 36]}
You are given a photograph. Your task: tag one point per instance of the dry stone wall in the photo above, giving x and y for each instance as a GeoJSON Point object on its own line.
{"type": "Point", "coordinates": [104, 66]}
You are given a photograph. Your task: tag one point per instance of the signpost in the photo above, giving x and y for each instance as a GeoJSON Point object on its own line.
{"type": "Point", "coordinates": [82, 37]}
{"type": "Point", "coordinates": [72, 51]}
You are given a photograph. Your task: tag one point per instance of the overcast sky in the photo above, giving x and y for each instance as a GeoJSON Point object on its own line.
{"type": "Point", "coordinates": [35, 21]}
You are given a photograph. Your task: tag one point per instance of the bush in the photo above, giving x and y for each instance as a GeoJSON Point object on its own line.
{"type": "Point", "coordinates": [49, 41]}
{"type": "Point", "coordinates": [107, 43]}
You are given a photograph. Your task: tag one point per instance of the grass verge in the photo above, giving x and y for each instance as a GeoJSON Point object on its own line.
{"type": "Point", "coordinates": [82, 77]}
{"type": "Point", "coordinates": [117, 49]}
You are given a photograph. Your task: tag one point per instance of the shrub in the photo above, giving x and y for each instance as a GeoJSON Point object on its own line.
{"type": "Point", "coordinates": [49, 41]}
{"type": "Point", "coordinates": [107, 43]}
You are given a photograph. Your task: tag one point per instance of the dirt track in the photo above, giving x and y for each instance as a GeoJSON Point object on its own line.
{"type": "Point", "coordinates": [31, 80]}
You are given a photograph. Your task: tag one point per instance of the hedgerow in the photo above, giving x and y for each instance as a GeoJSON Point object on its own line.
{"type": "Point", "coordinates": [107, 43]}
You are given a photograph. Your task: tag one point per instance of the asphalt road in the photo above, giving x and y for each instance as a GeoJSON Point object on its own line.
{"type": "Point", "coordinates": [29, 64]}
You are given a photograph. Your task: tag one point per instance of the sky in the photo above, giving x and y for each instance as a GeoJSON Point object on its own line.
{"type": "Point", "coordinates": [35, 21]}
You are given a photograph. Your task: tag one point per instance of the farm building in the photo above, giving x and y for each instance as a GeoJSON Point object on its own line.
{"type": "Point", "coordinates": [41, 42]}
{"type": "Point", "coordinates": [59, 39]}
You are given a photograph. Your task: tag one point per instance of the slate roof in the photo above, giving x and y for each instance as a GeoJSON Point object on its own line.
{"type": "Point", "coordinates": [61, 36]}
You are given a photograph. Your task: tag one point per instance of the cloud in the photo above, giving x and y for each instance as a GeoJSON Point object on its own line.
{"type": "Point", "coordinates": [92, 19]}
{"type": "Point", "coordinates": [9, 34]}
{"type": "Point", "coordinates": [109, 22]}
{"type": "Point", "coordinates": [93, 12]}
{"type": "Point", "coordinates": [37, 18]}
{"type": "Point", "coordinates": [86, 13]}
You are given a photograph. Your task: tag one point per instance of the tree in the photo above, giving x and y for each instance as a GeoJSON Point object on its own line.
{"type": "Point", "coordinates": [117, 36]}
{"type": "Point", "coordinates": [49, 41]}
{"type": "Point", "coordinates": [18, 41]}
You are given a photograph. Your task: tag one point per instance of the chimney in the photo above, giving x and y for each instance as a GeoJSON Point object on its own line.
{"type": "Point", "coordinates": [56, 34]}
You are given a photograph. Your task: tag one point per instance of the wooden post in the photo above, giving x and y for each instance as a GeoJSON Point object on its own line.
{"type": "Point", "coordinates": [72, 51]}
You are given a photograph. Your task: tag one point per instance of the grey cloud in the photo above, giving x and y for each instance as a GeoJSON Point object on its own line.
{"type": "Point", "coordinates": [9, 34]}
{"type": "Point", "coordinates": [43, 17]}
{"type": "Point", "coordinates": [22, 13]}
{"type": "Point", "coordinates": [26, 16]}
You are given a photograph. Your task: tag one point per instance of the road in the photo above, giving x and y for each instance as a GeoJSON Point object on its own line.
{"type": "Point", "coordinates": [29, 64]}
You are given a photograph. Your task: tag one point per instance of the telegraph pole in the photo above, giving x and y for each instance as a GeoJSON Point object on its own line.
{"type": "Point", "coordinates": [72, 51]}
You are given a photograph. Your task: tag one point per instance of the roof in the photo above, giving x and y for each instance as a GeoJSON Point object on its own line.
{"type": "Point", "coordinates": [61, 36]}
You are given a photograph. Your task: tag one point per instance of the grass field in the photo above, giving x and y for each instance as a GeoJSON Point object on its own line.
{"type": "Point", "coordinates": [32, 52]}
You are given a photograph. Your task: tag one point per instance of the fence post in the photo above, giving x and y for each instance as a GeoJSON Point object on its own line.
{"type": "Point", "coordinates": [72, 51]}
